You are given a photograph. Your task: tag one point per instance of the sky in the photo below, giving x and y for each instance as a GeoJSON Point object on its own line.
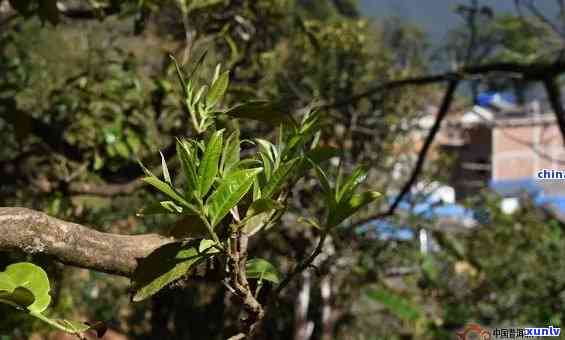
{"type": "Point", "coordinates": [436, 16]}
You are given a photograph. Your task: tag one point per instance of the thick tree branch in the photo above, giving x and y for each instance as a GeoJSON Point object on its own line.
{"type": "Point", "coordinates": [34, 232]}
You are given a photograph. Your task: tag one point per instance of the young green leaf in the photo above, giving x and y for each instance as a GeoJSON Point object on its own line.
{"type": "Point", "coordinates": [218, 89]}
{"type": "Point", "coordinates": [188, 164]}
{"type": "Point", "coordinates": [164, 207]}
{"type": "Point", "coordinates": [324, 181]}
{"type": "Point", "coordinates": [261, 269]}
{"type": "Point", "coordinates": [353, 181]}
{"type": "Point", "coordinates": [208, 168]}
{"type": "Point", "coordinates": [71, 327]}
{"type": "Point", "coordinates": [262, 205]}
{"type": "Point", "coordinates": [168, 190]}
{"type": "Point", "coordinates": [166, 174]}
{"type": "Point", "coordinates": [31, 279]}
{"type": "Point", "coordinates": [279, 177]}
{"type": "Point", "coordinates": [146, 171]}
{"type": "Point", "coordinates": [180, 75]}
{"type": "Point", "coordinates": [244, 164]}
{"type": "Point", "coordinates": [254, 223]}
{"type": "Point", "coordinates": [229, 193]}
{"type": "Point", "coordinates": [347, 208]}
{"type": "Point", "coordinates": [230, 154]}
{"type": "Point", "coordinates": [207, 246]}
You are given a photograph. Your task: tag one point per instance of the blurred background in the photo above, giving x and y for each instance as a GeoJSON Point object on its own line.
{"type": "Point", "coordinates": [465, 233]}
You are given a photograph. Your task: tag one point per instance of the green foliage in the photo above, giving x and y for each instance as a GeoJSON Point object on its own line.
{"type": "Point", "coordinates": [261, 269]}
{"type": "Point", "coordinates": [25, 286]}
{"type": "Point", "coordinates": [217, 181]}
{"type": "Point", "coordinates": [164, 266]}
{"type": "Point", "coordinates": [341, 198]}
{"type": "Point", "coordinates": [396, 304]}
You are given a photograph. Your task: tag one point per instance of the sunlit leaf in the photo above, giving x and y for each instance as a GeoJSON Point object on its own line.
{"type": "Point", "coordinates": [208, 168]}
{"type": "Point", "coordinates": [261, 269]}
{"type": "Point", "coordinates": [255, 223]}
{"type": "Point", "coordinates": [207, 246]}
{"type": "Point", "coordinates": [351, 183]}
{"type": "Point", "coordinates": [72, 327]}
{"type": "Point", "coordinates": [345, 209]}
{"type": "Point", "coordinates": [218, 89]}
{"type": "Point", "coordinates": [166, 174]}
{"type": "Point", "coordinates": [229, 193]}
{"type": "Point", "coordinates": [279, 177]}
{"type": "Point", "coordinates": [168, 190]}
{"type": "Point", "coordinates": [231, 151]}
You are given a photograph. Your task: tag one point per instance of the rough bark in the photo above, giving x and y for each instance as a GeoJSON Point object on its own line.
{"type": "Point", "coordinates": [32, 232]}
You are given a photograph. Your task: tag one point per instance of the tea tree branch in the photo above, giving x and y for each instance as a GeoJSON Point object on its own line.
{"type": "Point", "coordinates": [32, 232]}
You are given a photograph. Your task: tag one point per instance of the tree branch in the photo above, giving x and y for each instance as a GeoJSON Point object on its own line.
{"type": "Point", "coordinates": [304, 264]}
{"type": "Point", "coordinates": [34, 232]}
{"type": "Point", "coordinates": [528, 71]}
{"type": "Point", "coordinates": [554, 96]}
{"type": "Point", "coordinates": [442, 113]}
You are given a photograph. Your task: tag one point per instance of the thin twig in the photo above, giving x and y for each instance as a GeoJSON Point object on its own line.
{"type": "Point", "coordinates": [554, 96]}
{"type": "Point", "coordinates": [442, 113]}
{"type": "Point", "coordinates": [304, 264]}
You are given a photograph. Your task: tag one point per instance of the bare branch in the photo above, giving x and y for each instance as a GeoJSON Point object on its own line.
{"type": "Point", "coordinates": [554, 96]}
{"type": "Point", "coordinates": [304, 264]}
{"type": "Point", "coordinates": [528, 71]}
{"type": "Point", "coordinates": [32, 232]}
{"type": "Point", "coordinates": [442, 113]}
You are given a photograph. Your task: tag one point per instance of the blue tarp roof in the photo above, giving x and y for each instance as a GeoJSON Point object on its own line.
{"type": "Point", "coordinates": [488, 98]}
{"type": "Point", "coordinates": [427, 209]}
{"type": "Point", "coordinates": [513, 188]}
{"type": "Point", "coordinates": [432, 210]}
{"type": "Point", "coordinates": [509, 188]}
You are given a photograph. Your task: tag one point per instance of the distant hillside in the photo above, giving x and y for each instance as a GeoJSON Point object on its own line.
{"type": "Point", "coordinates": [436, 16]}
